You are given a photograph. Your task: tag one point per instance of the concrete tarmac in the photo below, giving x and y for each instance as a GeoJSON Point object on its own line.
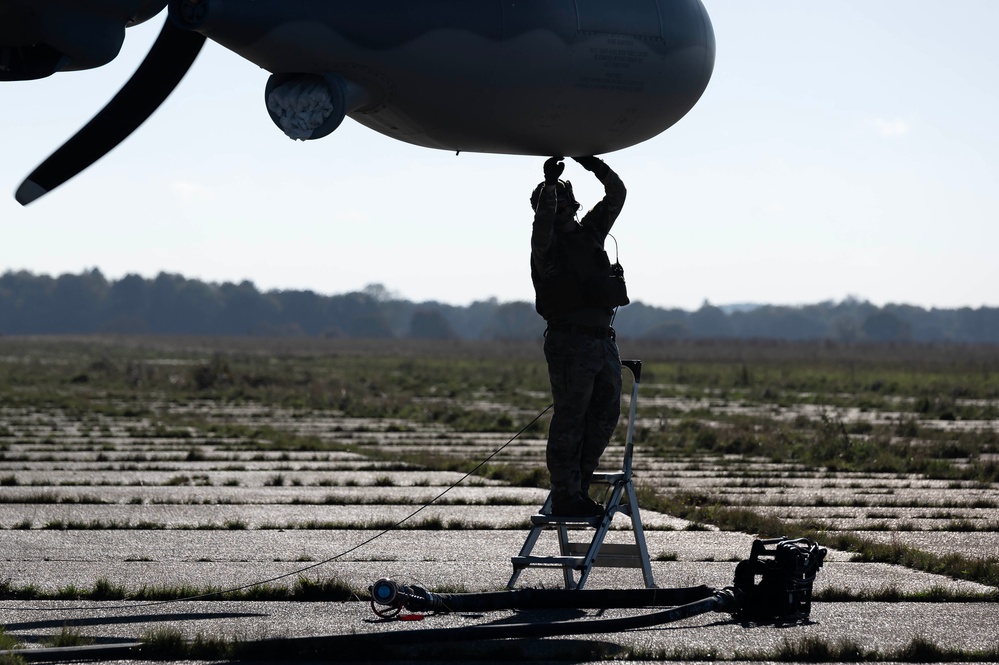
{"type": "Point", "coordinates": [158, 514]}
{"type": "Point", "coordinates": [470, 560]}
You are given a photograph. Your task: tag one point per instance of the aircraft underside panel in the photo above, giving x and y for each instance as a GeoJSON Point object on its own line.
{"type": "Point", "coordinates": [566, 89]}
{"type": "Point", "coordinates": [635, 18]}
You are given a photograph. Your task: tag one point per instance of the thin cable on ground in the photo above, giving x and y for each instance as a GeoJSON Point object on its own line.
{"type": "Point", "coordinates": [141, 605]}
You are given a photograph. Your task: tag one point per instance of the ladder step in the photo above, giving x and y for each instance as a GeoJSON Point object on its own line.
{"type": "Point", "coordinates": [562, 561]}
{"type": "Point", "coordinates": [546, 520]}
{"type": "Point", "coordinates": [611, 555]}
{"type": "Point", "coordinates": [602, 478]}
{"type": "Point", "coordinates": [624, 509]}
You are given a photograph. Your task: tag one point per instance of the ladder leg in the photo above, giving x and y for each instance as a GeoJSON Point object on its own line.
{"type": "Point", "coordinates": [598, 537]}
{"type": "Point", "coordinates": [636, 524]}
{"type": "Point", "coordinates": [532, 540]}
{"type": "Point", "coordinates": [563, 545]}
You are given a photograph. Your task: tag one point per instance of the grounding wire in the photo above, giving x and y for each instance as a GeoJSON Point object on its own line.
{"type": "Point", "coordinates": [250, 585]}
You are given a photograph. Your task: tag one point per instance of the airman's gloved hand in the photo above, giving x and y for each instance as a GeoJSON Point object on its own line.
{"type": "Point", "coordinates": [594, 165]}
{"type": "Point", "coordinates": [553, 169]}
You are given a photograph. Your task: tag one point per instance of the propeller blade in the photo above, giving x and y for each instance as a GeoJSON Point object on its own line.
{"type": "Point", "coordinates": [168, 60]}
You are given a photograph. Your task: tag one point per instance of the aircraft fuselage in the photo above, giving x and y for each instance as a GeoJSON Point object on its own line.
{"type": "Point", "coordinates": [534, 77]}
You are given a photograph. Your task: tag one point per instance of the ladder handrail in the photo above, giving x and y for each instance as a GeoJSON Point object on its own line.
{"type": "Point", "coordinates": [636, 371]}
{"type": "Point", "coordinates": [635, 366]}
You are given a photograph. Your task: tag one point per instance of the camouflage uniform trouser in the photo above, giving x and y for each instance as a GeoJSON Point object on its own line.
{"type": "Point", "coordinates": [585, 374]}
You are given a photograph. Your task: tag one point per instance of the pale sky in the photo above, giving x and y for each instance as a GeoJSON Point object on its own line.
{"type": "Point", "coordinates": [846, 148]}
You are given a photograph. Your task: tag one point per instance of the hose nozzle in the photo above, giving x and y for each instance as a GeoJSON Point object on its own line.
{"type": "Point", "coordinates": [393, 597]}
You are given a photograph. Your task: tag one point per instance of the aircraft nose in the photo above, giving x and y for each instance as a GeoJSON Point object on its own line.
{"type": "Point", "coordinates": [709, 43]}
{"type": "Point", "coordinates": [699, 42]}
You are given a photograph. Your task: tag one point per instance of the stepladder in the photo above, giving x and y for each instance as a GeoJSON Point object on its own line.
{"type": "Point", "coordinates": [578, 558]}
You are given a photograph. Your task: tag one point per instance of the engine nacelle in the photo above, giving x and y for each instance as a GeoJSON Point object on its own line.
{"type": "Point", "coordinates": [66, 36]}
{"type": "Point", "coordinates": [311, 106]}
{"type": "Point", "coordinates": [27, 63]}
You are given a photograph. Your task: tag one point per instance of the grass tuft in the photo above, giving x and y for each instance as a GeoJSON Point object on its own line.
{"type": "Point", "coordinates": [69, 636]}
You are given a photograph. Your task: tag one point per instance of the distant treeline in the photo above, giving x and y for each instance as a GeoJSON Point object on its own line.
{"type": "Point", "coordinates": [171, 304]}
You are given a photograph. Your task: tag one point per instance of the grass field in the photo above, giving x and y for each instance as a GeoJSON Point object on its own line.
{"type": "Point", "coordinates": [889, 454]}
